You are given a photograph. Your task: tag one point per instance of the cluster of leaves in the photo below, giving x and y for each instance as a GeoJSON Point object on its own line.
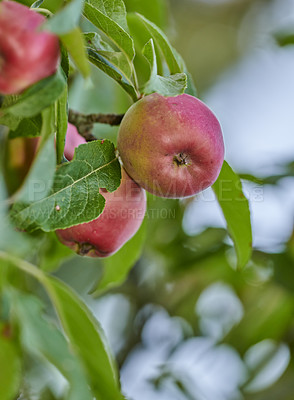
{"type": "Point", "coordinates": [57, 194]}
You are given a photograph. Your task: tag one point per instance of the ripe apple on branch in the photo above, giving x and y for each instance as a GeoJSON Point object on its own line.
{"type": "Point", "coordinates": [169, 142]}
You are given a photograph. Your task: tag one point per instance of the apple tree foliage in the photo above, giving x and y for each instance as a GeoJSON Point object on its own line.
{"type": "Point", "coordinates": [137, 55]}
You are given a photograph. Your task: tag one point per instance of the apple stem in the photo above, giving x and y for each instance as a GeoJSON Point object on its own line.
{"type": "Point", "coordinates": [84, 122]}
{"type": "Point", "coordinates": [181, 159]}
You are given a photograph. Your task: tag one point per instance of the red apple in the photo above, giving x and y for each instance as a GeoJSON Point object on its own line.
{"type": "Point", "coordinates": [72, 140]}
{"type": "Point", "coordinates": [121, 218]}
{"type": "Point", "coordinates": [27, 54]}
{"type": "Point", "coordinates": [171, 146]}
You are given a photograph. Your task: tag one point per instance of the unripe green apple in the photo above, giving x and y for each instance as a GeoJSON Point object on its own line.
{"type": "Point", "coordinates": [121, 218]}
{"type": "Point", "coordinates": [27, 54]}
{"type": "Point", "coordinates": [171, 146]}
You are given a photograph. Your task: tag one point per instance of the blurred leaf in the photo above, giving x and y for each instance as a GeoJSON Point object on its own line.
{"type": "Point", "coordinates": [67, 19]}
{"type": "Point", "coordinates": [87, 339]}
{"type": "Point", "coordinates": [95, 12]}
{"type": "Point", "coordinates": [52, 253]}
{"type": "Point", "coordinates": [61, 124]}
{"type": "Point", "coordinates": [11, 240]}
{"type": "Point", "coordinates": [156, 11]}
{"type": "Point", "coordinates": [81, 328]}
{"type": "Point", "coordinates": [167, 86]}
{"type": "Point", "coordinates": [11, 121]}
{"type": "Point", "coordinates": [235, 206]}
{"type": "Point", "coordinates": [74, 43]}
{"type": "Point", "coordinates": [75, 190]}
{"type": "Point", "coordinates": [38, 97]}
{"type": "Point", "coordinates": [39, 180]}
{"type": "Point", "coordinates": [10, 366]}
{"type": "Point", "coordinates": [43, 339]}
{"type": "Point", "coordinates": [117, 267]}
{"type": "Point", "coordinates": [162, 42]}
{"type": "Point", "coordinates": [28, 127]}
{"type": "Point", "coordinates": [64, 63]}
{"type": "Point", "coordinates": [285, 38]}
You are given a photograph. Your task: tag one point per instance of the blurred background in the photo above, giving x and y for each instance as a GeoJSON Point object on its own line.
{"type": "Point", "coordinates": [186, 325]}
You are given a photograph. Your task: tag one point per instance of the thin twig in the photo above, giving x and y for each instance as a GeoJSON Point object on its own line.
{"type": "Point", "coordinates": [84, 122]}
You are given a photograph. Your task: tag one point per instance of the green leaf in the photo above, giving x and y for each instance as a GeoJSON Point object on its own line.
{"type": "Point", "coordinates": [74, 197]}
{"type": "Point", "coordinates": [163, 44]}
{"type": "Point", "coordinates": [41, 338]}
{"type": "Point", "coordinates": [116, 58]}
{"type": "Point", "coordinates": [167, 86]}
{"type": "Point", "coordinates": [117, 267]}
{"type": "Point", "coordinates": [10, 367]}
{"type": "Point", "coordinates": [82, 330]}
{"type": "Point", "coordinates": [67, 19]}
{"type": "Point", "coordinates": [114, 9]}
{"type": "Point", "coordinates": [87, 338]}
{"type": "Point", "coordinates": [61, 124]}
{"type": "Point", "coordinates": [103, 64]}
{"type": "Point", "coordinates": [110, 27]}
{"type": "Point", "coordinates": [28, 127]}
{"type": "Point", "coordinates": [39, 96]}
{"type": "Point", "coordinates": [11, 121]}
{"type": "Point", "coordinates": [235, 207]}
{"type": "Point", "coordinates": [74, 43]}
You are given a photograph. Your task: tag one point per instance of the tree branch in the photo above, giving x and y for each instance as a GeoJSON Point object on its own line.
{"type": "Point", "coordinates": [84, 122]}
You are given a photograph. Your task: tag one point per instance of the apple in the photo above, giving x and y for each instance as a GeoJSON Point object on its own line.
{"type": "Point", "coordinates": [27, 53]}
{"type": "Point", "coordinates": [72, 140]}
{"type": "Point", "coordinates": [121, 218]}
{"type": "Point", "coordinates": [171, 146]}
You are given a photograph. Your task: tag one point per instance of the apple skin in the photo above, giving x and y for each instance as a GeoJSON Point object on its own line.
{"type": "Point", "coordinates": [171, 146]}
{"type": "Point", "coordinates": [121, 218]}
{"type": "Point", "coordinates": [72, 140]}
{"type": "Point", "coordinates": [27, 54]}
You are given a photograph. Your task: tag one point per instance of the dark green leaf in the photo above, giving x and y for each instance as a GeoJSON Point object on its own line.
{"type": "Point", "coordinates": [74, 197]}
{"type": "Point", "coordinates": [235, 206]}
